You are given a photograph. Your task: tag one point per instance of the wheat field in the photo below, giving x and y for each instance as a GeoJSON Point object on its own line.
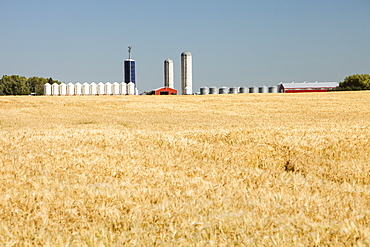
{"type": "Point", "coordinates": [213, 170]}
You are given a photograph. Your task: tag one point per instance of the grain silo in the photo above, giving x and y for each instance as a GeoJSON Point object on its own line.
{"type": "Point", "coordinates": [93, 88]}
{"type": "Point", "coordinates": [263, 89]}
{"type": "Point", "coordinates": [108, 88]}
{"type": "Point", "coordinates": [233, 90]}
{"type": "Point", "coordinates": [70, 88]}
{"type": "Point", "coordinates": [47, 89]}
{"type": "Point", "coordinates": [55, 89]}
{"type": "Point", "coordinates": [253, 89]}
{"type": "Point", "coordinates": [131, 88]}
{"type": "Point", "coordinates": [223, 90]}
{"type": "Point", "coordinates": [78, 88]}
{"type": "Point", "coordinates": [186, 73]}
{"type": "Point", "coordinates": [101, 88]}
{"type": "Point", "coordinates": [115, 88]}
{"type": "Point", "coordinates": [273, 89]}
{"type": "Point", "coordinates": [243, 89]}
{"type": "Point", "coordinates": [63, 89]}
{"type": "Point", "coordinates": [213, 90]}
{"type": "Point", "coordinates": [204, 90]}
{"type": "Point", "coordinates": [129, 68]}
{"type": "Point", "coordinates": [123, 88]}
{"type": "Point", "coordinates": [85, 88]}
{"type": "Point", "coordinates": [168, 73]}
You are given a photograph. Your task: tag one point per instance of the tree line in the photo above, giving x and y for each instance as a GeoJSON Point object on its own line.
{"type": "Point", "coordinates": [355, 82]}
{"type": "Point", "coordinates": [20, 85]}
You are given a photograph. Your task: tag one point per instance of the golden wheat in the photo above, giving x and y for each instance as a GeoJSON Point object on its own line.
{"type": "Point", "coordinates": [215, 170]}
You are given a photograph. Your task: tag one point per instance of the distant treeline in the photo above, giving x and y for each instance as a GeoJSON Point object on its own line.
{"type": "Point", "coordinates": [354, 83]}
{"type": "Point", "coordinates": [20, 85]}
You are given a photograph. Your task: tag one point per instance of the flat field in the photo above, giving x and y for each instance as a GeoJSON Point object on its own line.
{"type": "Point", "coordinates": [213, 170]}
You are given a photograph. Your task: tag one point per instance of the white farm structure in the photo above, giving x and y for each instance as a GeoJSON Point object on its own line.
{"type": "Point", "coordinates": [90, 89]}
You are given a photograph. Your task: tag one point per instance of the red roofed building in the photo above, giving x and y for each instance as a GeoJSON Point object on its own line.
{"type": "Point", "coordinates": [165, 91]}
{"type": "Point", "coordinates": [306, 87]}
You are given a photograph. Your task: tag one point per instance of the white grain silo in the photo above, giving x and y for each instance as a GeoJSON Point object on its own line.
{"type": "Point", "coordinates": [108, 88]}
{"type": "Point", "coordinates": [63, 89]}
{"type": "Point", "coordinates": [253, 89]}
{"type": "Point", "coordinates": [70, 88]}
{"type": "Point", "coordinates": [233, 90]}
{"type": "Point", "coordinates": [263, 89]}
{"type": "Point", "coordinates": [243, 89]}
{"type": "Point", "coordinates": [204, 90]}
{"type": "Point", "coordinates": [168, 73]}
{"type": "Point", "coordinates": [123, 88]}
{"type": "Point", "coordinates": [101, 88]}
{"type": "Point", "coordinates": [47, 89]}
{"type": "Point", "coordinates": [85, 88]}
{"type": "Point", "coordinates": [131, 88]}
{"type": "Point", "coordinates": [223, 90]}
{"type": "Point", "coordinates": [186, 73]}
{"type": "Point", "coordinates": [273, 89]}
{"type": "Point", "coordinates": [55, 89]}
{"type": "Point", "coordinates": [115, 88]}
{"type": "Point", "coordinates": [93, 88]}
{"type": "Point", "coordinates": [213, 90]}
{"type": "Point", "coordinates": [78, 88]}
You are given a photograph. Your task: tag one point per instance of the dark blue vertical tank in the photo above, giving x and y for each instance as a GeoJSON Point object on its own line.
{"type": "Point", "coordinates": [129, 67]}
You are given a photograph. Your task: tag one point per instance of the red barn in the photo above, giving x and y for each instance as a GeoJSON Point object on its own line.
{"type": "Point", "coordinates": [165, 91]}
{"type": "Point", "coordinates": [306, 87]}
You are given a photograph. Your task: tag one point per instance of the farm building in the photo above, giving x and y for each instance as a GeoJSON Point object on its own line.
{"type": "Point", "coordinates": [164, 91]}
{"type": "Point", "coordinates": [306, 87]}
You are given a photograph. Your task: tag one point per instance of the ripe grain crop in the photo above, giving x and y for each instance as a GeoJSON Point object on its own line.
{"type": "Point", "coordinates": [213, 170]}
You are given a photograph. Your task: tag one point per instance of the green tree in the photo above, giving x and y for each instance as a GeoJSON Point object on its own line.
{"type": "Point", "coordinates": [14, 85]}
{"type": "Point", "coordinates": [50, 81]}
{"type": "Point", "coordinates": [355, 82]}
{"type": "Point", "coordinates": [36, 84]}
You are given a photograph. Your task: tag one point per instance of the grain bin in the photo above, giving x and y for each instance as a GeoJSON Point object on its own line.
{"type": "Point", "coordinates": [131, 88]}
{"type": "Point", "coordinates": [108, 88]}
{"type": "Point", "coordinates": [71, 88]}
{"type": "Point", "coordinates": [263, 89]}
{"type": "Point", "coordinates": [101, 88]}
{"type": "Point", "coordinates": [223, 90]}
{"type": "Point", "coordinates": [47, 89]}
{"type": "Point", "coordinates": [63, 89]}
{"type": "Point", "coordinates": [115, 88]}
{"type": "Point", "coordinates": [55, 89]}
{"type": "Point", "coordinates": [243, 89]}
{"type": "Point", "coordinates": [253, 89]}
{"type": "Point", "coordinates": [213, 90]}
{"type": "Point", "coordinates": [204, 90]}
{"type": "Point", "coordinates": [93, 88]}
{"type": "Point", "coordinates": [78, 88]}
{"type": "Point", "coordinates": [233, 90]}
{"type": "Point", "coordinates": [273, 89]}
{"type": "Point", "coordinates": [85, 88]}
{"type": "Point", "coordinates": [123, 88]}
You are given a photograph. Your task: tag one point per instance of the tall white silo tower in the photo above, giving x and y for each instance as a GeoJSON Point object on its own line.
{"type": "Point", "coordinates": [186, 73]}
{"type": "Point", "coordinates": [168, 73]}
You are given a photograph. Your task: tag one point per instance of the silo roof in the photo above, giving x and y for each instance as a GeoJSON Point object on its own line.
{"type": "Point", "coordinates": [309, 84]}
{"type": "Point", "coordinates": [186, 53]}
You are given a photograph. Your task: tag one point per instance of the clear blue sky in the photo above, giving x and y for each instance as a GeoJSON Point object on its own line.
{"type": "Point", "coordinates": [233, 42]}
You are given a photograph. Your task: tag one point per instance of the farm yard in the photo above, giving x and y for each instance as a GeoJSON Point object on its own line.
{"type": "Point", "coordinates": [213, 170]}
